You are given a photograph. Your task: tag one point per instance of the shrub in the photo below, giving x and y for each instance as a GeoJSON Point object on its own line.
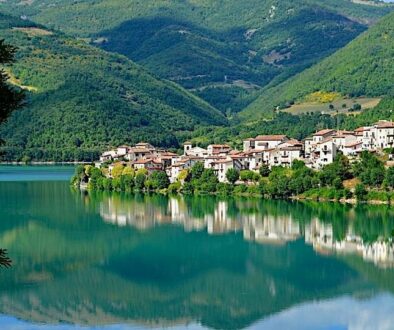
{"type": "Point", "coordinates": [187, 188]}
{"type": "Point", "coordinates": [360, 192]}
{"type": "Point", "coordinates": [232, 175]}
{"type": "Point", "coordinates": [107, 184]}
{"type": "Point", "coordinates": [253, 190]}
{"type": "Point", "coordinates": [264, 170]}
{"type": "Point", "coordinates": [159, 180]}
{"type": "Point", "coordinates": [140, 180]}
{"type": "Point", "coordinates": [247, 175]}
{"type": "Point", "coordinates": [240, 189]}
{"type": "Point", "coordinates": [117, 170]}
{"type": "Point", "coordinates": [174, 188]}
{"type": "Point", "coordinates": [224, 188]}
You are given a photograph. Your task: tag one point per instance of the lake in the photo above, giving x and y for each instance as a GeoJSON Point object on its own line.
{"type": "Point", "coordinates": [116, 261]}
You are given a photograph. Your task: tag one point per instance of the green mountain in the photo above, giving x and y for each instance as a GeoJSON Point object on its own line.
{"type": "Point", "coordinates": [81, 99]}
{"type": "Point", "coordinates": [365, 67]}
{"type": "Point", "coordinates": [222, 50]}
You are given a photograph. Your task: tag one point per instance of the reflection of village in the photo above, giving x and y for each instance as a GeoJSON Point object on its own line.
{"type": "Point", "coordinates": [261, 228]}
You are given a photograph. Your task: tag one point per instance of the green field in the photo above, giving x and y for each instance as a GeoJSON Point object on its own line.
{"type": "Point", "coordinates": [341, 105]}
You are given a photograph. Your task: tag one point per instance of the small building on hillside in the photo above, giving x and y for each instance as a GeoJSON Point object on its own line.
{"type": "Point", "coordinates": [263, 142]}
{"type": "Point", "coordinates": [218, 150]}
{"type": "Point", "coordinates": [189, 150]}
{"type": "Point", "coordinates": [323, 153]}
{"type": "Point", "coordinates": [149, 164]}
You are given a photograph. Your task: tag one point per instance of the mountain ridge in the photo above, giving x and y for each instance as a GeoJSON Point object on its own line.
{"type": "Point", "coordinates": [86, 98]}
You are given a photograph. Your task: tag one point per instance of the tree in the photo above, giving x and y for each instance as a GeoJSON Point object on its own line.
{"type": "Point", "coordinates": [10, 98]}
{"type": "Point", "coordinates": [197, 170]}
{"type": "Point", "coordinates": [390, 177]}
{"type": "Point", "coordinates": [369, 169]}
{"type": "Point", "coordinates": [207, 183]}
{"type": "Point", "coordinates": [128, 170]}
{"type": "Point", "coordinates": [264, 170]}
{"type": "Point", "coordinates": [247, 175]}
{"type": "Point", "coordinates": [159, 180]}
{"type": "Point", "coordinates": [360, 192]}
{"type": "Point", "coordinates": [140, 180]}
{"type": "Point", "coordinates": [117, 170]}
{"type": "Point", "coordinates": [232, 175]}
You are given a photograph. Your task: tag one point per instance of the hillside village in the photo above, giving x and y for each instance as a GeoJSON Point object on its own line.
{"type": "Point", "coordinates": [316, 151]}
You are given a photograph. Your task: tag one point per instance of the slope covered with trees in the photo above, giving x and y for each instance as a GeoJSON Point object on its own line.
{"type": "Point", "coordinates": [365, 67]}
{"type": "Point", "coordinates": [81, 99]}
{"type": "Point", "coordinates": [214, 48]}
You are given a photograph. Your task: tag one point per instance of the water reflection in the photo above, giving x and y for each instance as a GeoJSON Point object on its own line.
{"type": "Point", "coordinates": [256, 223]}
{"type": "Point", "coordinates": [154, 261]}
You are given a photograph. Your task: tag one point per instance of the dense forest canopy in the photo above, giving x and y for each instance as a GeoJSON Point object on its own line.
{"type": "Point", "coordinates": [83, 99]}
{"type": "Point", "coordinates": [221, 50]}
{"type": "Point", "coordinates": [365, 67]}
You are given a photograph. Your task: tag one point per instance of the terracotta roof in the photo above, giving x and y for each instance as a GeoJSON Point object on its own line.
{"type": "Point", "coordinates": [342, 134]}
{"type": "Point", "coordinates": [362, 129]}
{"type": "Point", "coordinates": [139, 150]}
{"type": "Point", "coordinates": [324, 132]}
{"type": "Point", "coordinates": [219, 146]}
{"type": "Point", "coordinates": [384, 124]}
{"type": "Point", "coordinates": [167, 153]}
{"type": "Point", "coordinates": [292, 142]}
{"type": "Point", "coordinates": [143, 161]}
{"type": "Point", "coordinates": [270, 137]}
{"type": "Point", "coordinates": [328, 139]}
{"type": "Point", "coordinates": [353, 144]}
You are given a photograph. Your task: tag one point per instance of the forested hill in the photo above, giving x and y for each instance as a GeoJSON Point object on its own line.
{"type": "Point", "coordinates": [223, 51]}
{"type": "Point", "coordinates": [365, 67]}
{"type": "Point", "coordinates": [82, 99]}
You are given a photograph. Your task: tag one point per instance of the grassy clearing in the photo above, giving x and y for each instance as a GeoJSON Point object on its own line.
{"type": "Point", "coordinates": [341, 105]}
{"type": "Point", "coordinates": [33, 32]}
{"type": "Point", "coordinates": [16, 82]}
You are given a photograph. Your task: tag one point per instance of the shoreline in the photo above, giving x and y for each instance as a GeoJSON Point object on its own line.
{"type": "Point", "coordinates": [349, 201]}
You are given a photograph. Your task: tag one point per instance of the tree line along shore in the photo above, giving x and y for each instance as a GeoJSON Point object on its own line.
{"type": "Point", "coordinates": [364, 180]}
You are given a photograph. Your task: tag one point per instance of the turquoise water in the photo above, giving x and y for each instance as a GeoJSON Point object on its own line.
{"type": "Point", "coordinates": [116, 261]}
{"type": "Point", "coordinates": [35, 173]}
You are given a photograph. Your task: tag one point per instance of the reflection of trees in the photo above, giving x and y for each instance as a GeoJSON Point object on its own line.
{"type": "Point", "coordinates": [4, 260]}
{"type": "Point", "coordinates": [330, 227]}
{"type": "Point", "coordinates": [75, 267]}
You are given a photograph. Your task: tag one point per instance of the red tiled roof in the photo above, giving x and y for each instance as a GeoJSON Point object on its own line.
{"type": "Point", "coordinates": [270, 137]}
{"type": "Point", "coordinates": [328, 139]}
{"type": "Point", "coordinates": [219, 146]}
{"type": "Point", "coordinates": [324, 132]}
{"type": "Point", "coordinates": [353, 144]}
{"type": "Point", "coordinates": [384, 124]}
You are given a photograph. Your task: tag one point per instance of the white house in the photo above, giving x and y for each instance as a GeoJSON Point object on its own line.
{"type": "Point", "coordinates": [344, 138]}
{"type": "Point", "coordinates": [322, 135]}
{"type": "Point", "coordinates": [221, 167]}
{"type": "Point", "coordinates": [108, 155]}
{"type": "Point", "coordinates": [218, 149]}
{"type": "Point", "coordinates": [264, 142]}
{"type": "Point", "coordinates": [189, 150]}
{"type": "Point", "coordinates": [323, 153]}
{"type": "Point", "coordinates": [383, 133]}
{"type": "Point", "coordinates": [352, 149]}
{"type": "Point", "coordinates": [285, 153]}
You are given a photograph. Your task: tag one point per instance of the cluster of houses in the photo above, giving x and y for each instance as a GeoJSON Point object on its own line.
{"type": "Point", "coordinates": [260, 228]}
{"type": "Point", "coordinates": [273, 150]}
